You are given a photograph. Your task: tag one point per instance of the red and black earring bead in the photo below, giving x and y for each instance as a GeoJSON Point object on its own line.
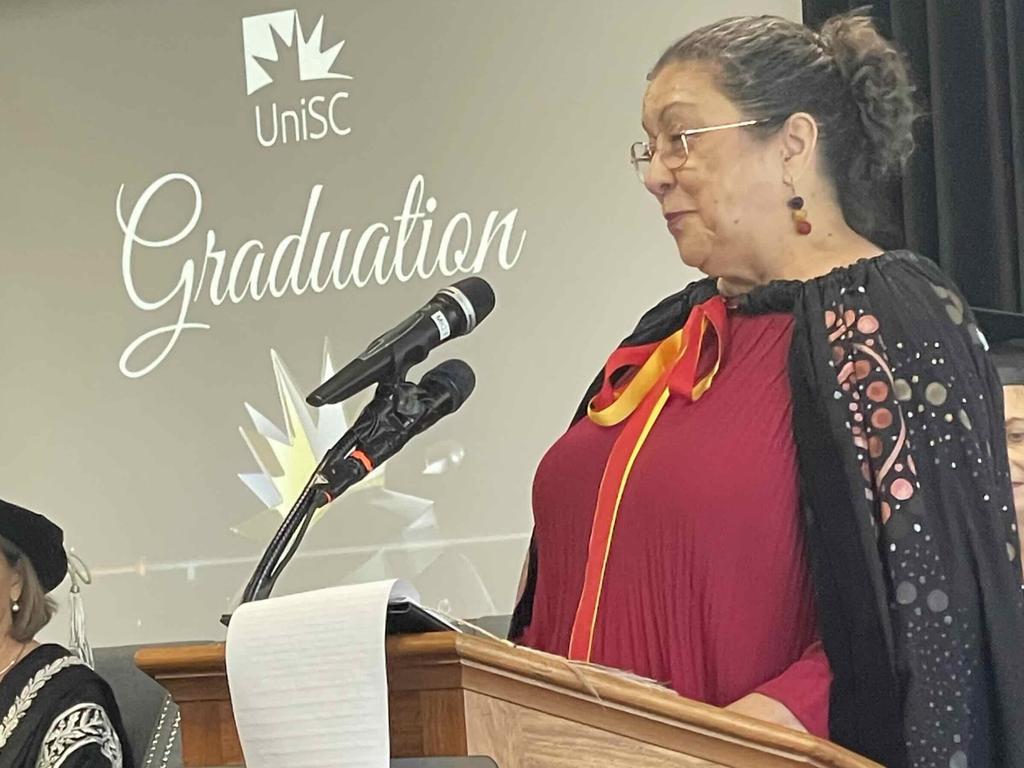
{"type": "Point", "coordinates": [796, 207]}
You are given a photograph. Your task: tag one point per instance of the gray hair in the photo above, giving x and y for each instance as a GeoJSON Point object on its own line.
{"type": "Point", "coordinates": [853, 81]}
{"type": "Point", "coordinates": [35, 607]}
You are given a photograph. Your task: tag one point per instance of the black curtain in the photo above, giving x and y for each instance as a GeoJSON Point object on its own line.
{"type": "Point", "coordinates": [962, 197]}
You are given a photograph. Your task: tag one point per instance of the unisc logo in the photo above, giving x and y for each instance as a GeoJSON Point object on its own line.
{"type": "Point", "coordinates": [312, 117]}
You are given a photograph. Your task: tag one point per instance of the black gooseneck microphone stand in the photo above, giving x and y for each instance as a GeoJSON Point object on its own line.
{"type": "Point", "coordinates": [398, 411]}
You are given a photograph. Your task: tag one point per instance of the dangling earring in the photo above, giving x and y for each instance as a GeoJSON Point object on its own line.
{"type": "Point", "coordinates": [15, 607]}
{"type": "Point", "coordinates": [796, 209]}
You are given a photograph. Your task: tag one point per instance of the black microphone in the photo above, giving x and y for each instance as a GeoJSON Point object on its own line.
{"type": "Point", "coordinates": [454, 311]}
{"type": "Point", "coordinates": [389, 424]}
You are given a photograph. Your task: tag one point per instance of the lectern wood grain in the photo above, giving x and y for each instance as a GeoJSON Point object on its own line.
{"type": "Point", "coordinates": [458, 695]}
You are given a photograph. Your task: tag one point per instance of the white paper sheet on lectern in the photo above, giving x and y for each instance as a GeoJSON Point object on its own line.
{"type": "Point", "coordinates": [308, 678]}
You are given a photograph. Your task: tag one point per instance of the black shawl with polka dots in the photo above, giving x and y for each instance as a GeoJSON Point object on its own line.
{"type": "Point", "coordinates": [907, 508]}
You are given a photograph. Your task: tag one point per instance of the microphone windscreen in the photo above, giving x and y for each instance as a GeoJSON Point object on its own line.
{"type": "Point", "coordinates": [480, 295]}
{"type": "Point", "coordinates": [454, 376]}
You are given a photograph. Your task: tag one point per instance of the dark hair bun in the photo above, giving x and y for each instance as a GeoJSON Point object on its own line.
{"type": "Point", "coordinates": [881, 86]}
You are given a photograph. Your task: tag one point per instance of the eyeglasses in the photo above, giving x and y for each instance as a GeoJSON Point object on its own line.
{"type": "Point", "coordinates": [674, 148]}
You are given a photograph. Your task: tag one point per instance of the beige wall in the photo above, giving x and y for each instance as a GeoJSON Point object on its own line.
{"type": "Point", "coordinates": [523, 109]}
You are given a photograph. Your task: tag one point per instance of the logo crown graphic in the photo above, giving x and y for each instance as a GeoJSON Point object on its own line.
{"type": "Point", "coordinates": [260, 36]}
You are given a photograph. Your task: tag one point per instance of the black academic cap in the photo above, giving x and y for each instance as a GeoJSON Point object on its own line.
{"type": "Point", "coordinates": [1004, 332]}
{"type": "Point", "coordinates": [39, 540]}
{"type": "Point", "coordinates": [999, 326]}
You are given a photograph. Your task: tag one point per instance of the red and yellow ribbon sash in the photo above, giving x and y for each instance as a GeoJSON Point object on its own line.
{"type": "Point", "coordinates": [664, 368]}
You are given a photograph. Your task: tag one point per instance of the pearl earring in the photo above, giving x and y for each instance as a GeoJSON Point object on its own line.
{"type": "Point", "coordinates": [15, 607]}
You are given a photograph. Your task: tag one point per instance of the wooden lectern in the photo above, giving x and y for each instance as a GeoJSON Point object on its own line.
{"type": "Point", "coordinates": [453, 695]}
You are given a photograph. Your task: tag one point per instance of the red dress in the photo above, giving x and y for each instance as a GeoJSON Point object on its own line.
{"type": "Point", "coordinates": [706, 585]}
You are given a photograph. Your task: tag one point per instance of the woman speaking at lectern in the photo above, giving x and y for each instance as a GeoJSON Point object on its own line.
{"type": "Point", "coordinates": [787, 492]}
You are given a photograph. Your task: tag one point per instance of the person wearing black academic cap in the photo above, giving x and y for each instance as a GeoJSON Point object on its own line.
{"type": "Point", "coordinates": [1004, 332]}
{"type": "Point", "coordinates": [54, 710]}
